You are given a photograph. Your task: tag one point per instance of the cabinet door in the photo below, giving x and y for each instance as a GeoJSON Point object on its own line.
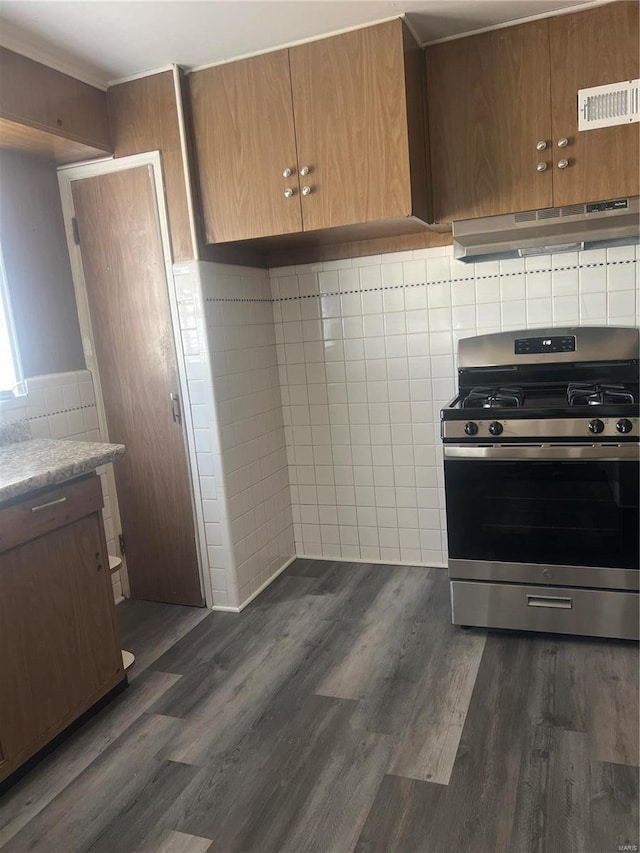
{"type": "Point", "coordinates": [244, 140]}
{"type": "Point", "coordinates": [350, 113]}
{"type": "Point", "coordinates": [592, 48]}
{"type": "Point", "coordinates": [40, 97]}
{"type": "Point", "coordinates": [489, 106]}
{"type": "Point", "coordinates": [58, 633]}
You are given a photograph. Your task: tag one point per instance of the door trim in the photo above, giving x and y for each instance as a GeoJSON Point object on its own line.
{"type": "Point", "coordinates": [66, 176]}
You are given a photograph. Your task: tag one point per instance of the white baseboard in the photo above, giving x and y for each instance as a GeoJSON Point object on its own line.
{"type": "Point", "coordinates": [373, 562]}
{"type": "Point", "coordinates": [222, 609]}
{"type": "Point", "coordinates": [265, 584]}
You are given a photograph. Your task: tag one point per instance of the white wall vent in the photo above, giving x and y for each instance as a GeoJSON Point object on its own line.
{"type": "Point", "coordinates": [608, 105]}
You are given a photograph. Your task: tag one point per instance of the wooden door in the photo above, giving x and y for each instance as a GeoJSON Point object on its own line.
{"type": "Point", "coordinates": [244, 140]}
{"type": "Point", "coordinates": [489, 106]}
{"type": "Point", "coordinates": [57, 623]}
{"type": "Point", "coordinates": [592, 48]}
{"type": "Point", "coordinates": [126, 285]}
{"type": "Point", "coordinates": [350, 109]}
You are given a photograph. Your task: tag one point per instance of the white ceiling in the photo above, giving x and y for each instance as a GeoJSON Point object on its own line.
{"type": "Point", "coordinates": [104, 40]}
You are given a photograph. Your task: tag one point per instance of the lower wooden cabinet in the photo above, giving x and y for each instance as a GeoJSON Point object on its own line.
{"type": "Point", "coordinates": [59, 645]}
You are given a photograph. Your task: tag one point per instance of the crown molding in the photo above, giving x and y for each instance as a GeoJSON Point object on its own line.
{"type": "Point", "coordinates": [13, 37]}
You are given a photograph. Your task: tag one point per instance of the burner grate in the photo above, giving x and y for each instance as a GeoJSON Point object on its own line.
{"type": "Point", "coordinates": [490, 398]}
{"type": "Point", "coordinates": [593, 394]}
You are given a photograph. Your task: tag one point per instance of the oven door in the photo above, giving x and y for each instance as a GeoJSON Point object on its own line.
{"type": "Point", "coordinates": [545, 514]}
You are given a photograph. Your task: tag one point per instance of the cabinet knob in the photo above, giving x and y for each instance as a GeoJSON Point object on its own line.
{"type": "Point", "coordinates": [540, 146]}
{"type": "Point", "coordinates": [306, 190]}
{"type": "Point", "coordinates": [286, 173]}
{"type": "Point", "coordinates": [562, 143]}
{"type": "Point", "coordinates": [305, 170]}
{"type": "Point", "coordinates": [541, 167]}
{"type": "Point", "coordinates": [288, 192]}
{"type": "Point", "coordinates": [562, 164]}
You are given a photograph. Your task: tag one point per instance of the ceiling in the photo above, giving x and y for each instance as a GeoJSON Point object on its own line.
{"type": "Point", "coordinates": [104, 40]}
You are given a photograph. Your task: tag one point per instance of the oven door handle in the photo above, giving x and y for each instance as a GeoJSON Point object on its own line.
{"type": "Point", "coordinates": [555, 602]}
{"type": "Point", "coordinates": [545, 452]}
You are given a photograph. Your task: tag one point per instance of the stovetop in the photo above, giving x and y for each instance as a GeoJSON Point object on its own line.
{"type": "Point", "coordinates": [549, 398]}
{"type": "Point", "coordinates": [540, 385]}
{"type": "Point", "coordinates": [594, 394]}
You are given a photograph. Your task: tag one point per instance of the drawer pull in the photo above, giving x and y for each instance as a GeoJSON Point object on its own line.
{"type": "Point", "coordinates": [549, 601]}
{"type": "Point", "coordinates": [47, 505]}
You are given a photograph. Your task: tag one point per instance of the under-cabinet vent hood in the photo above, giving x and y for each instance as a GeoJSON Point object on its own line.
{"type": "Point", "coordinates": [541, 232]}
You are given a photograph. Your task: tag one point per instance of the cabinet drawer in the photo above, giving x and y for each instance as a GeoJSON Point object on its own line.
{"type": "Point", "coordinates": [559, 610]}
{"type": "Point", "coordinates": [49, 509]}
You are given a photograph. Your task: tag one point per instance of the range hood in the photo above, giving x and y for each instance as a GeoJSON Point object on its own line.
{"type": "Point", "coordinates": [541, 232]}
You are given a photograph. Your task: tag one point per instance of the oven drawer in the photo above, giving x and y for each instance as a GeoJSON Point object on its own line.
{"type": "Point", "coordinates": [562, 610]}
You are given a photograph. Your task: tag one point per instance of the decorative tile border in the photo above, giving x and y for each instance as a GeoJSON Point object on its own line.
{"type": "Point", "coordinates": [59, 412]}
{"type": "Point", "coordinates": [403, 286]}
{"type": "Point", "coordinates": [234, 299]}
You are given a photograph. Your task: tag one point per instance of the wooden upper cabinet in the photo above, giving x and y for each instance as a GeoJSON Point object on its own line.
{"type": "Point", "coordinates": [489, 106]}
{"type": "Point", "coordinates": [351, 95]}
{"type": "Point", "coordinates": [494, 96]}
{"type": "Point", "coordinates": [244, 140]}
{"type": "Point", "coordinates": [592, 48]}
{"type": "Point", "coordinates": [349, 108]}
{"type": "Point", "coordinates": [45, 111]}
{"type": "Point", "coordinates": [144, 116]}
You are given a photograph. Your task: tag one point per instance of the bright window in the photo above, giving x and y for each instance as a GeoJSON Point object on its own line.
{"type": "Point", "coordinates": [11, 380]}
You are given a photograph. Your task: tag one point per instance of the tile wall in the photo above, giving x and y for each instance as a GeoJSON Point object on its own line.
{"type": "Point", "coordinates": [366, 356]}
{"type": "Point", "coordinates": [63, 405]}
{"type": "Point", "coordinates": [243, 498]}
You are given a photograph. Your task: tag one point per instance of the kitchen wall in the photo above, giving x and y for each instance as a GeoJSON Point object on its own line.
{"type": "Point", "coordinates": [63, 405]}
{"type": "Point", "coordinates": [236, 431]}
{"type": "Point", "coordinates": [37, 265]}
{"type": "Point", "coordinates": [366, 354]}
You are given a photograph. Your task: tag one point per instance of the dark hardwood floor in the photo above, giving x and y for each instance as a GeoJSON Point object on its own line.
{"type": "Point", "coordinates": [342, 711]}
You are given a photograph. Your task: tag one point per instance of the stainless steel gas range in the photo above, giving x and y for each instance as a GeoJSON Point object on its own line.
{"type": "Point", "coordinates": [541, 458]}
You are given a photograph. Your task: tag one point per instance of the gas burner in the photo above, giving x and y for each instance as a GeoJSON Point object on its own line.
{"type": "Point", "coordinates": [492, 398]}
{"type": "Point", "coordinates": [591, 394]}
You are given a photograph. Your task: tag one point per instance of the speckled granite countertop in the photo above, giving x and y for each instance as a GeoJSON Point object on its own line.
{"type": "Point", "coordinates": [32, 464]}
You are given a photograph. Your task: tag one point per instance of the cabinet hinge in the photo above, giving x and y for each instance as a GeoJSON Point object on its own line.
{"type": "Point", "coordinates": [121, 543]}
{"type": "Point", "coordinates": [76, 231]}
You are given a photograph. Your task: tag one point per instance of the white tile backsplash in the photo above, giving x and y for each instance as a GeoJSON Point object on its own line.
{"type": "Point", "coordinates": [242, 483]}
{"type": "Point", "coordinates": [381, 366]}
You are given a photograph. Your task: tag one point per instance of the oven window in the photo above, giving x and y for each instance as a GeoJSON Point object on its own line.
{"type": "Point", "coordinates": [558, 513]}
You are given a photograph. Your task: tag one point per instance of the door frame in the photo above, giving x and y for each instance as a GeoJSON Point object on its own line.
{"type": "Point", "coordinates": [66, 176]}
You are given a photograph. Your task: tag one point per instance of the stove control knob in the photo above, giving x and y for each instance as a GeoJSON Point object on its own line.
{"type": "Point", "coordinates": [471, 428]}
{"type": "Point", "coordinates": [596, 426]}
{"type": "Point", "coordinates": [495, 428]}
{"type": "Point", "coordinates": [624, 425]}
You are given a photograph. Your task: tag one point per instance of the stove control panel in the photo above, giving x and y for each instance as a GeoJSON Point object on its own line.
{"type": "Point", "coordinates": [550, 344]}
{"type": "Point", "coordinates": [539, 428]}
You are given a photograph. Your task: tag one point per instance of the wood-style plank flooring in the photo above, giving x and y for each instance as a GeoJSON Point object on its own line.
{"type": "Point", "coordinates": [342, 711]}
